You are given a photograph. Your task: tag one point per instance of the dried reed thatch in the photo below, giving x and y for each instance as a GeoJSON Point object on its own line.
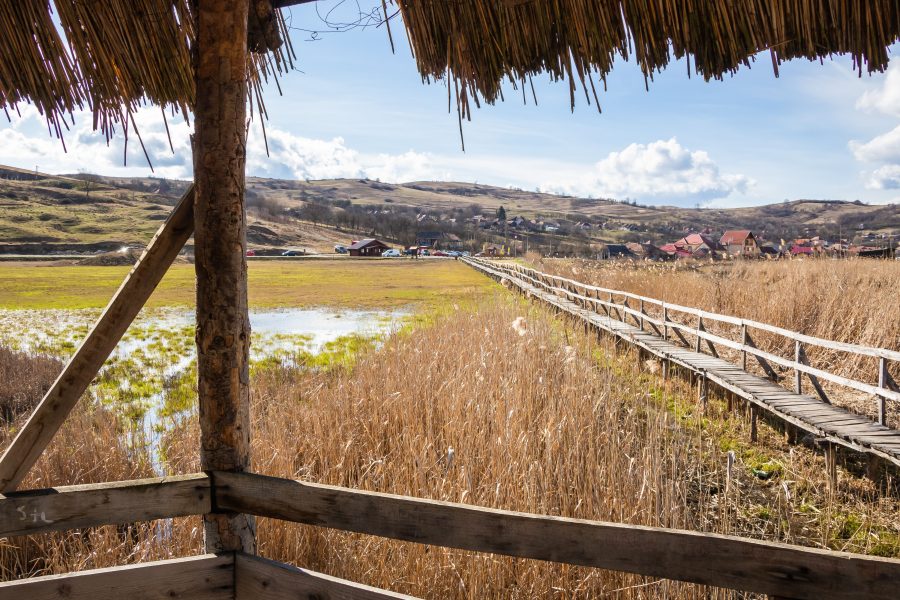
{"type": "Point", "coordinates": [118, 54]}
{"type": "Point", "coordinates": [481, 42]}
{"type": "Point", "coordinates": [115, 55]}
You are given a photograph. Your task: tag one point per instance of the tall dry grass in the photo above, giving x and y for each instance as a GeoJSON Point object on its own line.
{"type": "Point", "coordinates": [553, 421]}
{"type": "Point", "coordinates": [468, 408]}
{"type": "Point", "coordinates": [90, 448]}
{"type": "Point", "coordinates": [855, 301]}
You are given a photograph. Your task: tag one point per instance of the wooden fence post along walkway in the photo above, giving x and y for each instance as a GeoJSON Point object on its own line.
{"type": "Point", "coordinates": [815, 415]}
{"type": "Point", "coordinates": [200, 56]}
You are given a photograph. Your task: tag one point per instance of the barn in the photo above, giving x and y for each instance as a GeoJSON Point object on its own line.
{"type": "Point", "coordinates": [367, 247]}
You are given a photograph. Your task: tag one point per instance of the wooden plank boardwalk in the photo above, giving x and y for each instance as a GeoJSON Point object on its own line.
{"type": "Point", "coordinates": [827, 423]}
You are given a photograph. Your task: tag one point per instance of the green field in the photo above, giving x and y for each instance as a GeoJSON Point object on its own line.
{"type": "Point", "coordinates": [360, 284]}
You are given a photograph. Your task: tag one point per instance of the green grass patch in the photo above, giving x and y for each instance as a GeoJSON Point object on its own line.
{"type": "Point", "coordinates": [358, 284]}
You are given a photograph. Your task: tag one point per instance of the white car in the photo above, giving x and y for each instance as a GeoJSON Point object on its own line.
{"type": "Point", "coordinates": [392, 253]}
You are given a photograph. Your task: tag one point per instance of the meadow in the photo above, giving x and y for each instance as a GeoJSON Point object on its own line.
{"type": "Point", "coordinates": [341, 283]}
{"type": "Point", "coordinates": [483, 399]}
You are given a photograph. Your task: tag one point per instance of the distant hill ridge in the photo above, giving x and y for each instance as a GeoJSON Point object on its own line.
{"type": "Point", "coordinates": [42, 208]}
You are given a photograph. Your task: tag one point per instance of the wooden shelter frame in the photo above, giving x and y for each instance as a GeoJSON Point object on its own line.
{"type": "Point", "coordinates": [229, 496]}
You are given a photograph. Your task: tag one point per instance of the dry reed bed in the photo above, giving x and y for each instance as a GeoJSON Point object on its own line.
{"type": "Point", "coordinates": [553, 421]}
{"type": "Point", "coordinates": [855, 301]}
{"type": "Point", "coordinates": [469, 408]}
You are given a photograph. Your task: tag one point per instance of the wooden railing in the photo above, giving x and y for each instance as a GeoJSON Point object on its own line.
{"type": "Point", "coordinates": [709, 559]}
{"type": "Point", "coordinates": [617, 302]}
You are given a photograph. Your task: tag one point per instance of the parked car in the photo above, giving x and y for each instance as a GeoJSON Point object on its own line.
{"type": "Point", "coordinates": [251, 252]}
{"type": "Point", "coordinates": [291, 253]}
{"type": "Point", "coordinates": [439, 253]}
{"type": "Point", "coordinates": [340, 249]}
{"type": "Point", "coordinates": [392, 253]}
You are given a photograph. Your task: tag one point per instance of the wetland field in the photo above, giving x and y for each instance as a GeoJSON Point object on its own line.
{"type": "Point", "coordinates": [428, 379]}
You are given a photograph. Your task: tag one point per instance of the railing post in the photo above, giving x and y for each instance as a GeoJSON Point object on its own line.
{"type": "Point", "coordinates": [641, 310]}
{"type": "Point", "coordinates": [798, 376]}
{"type": "Point", "coordinates": [743, 344]}
{"type": "Point", "coordinates": [882, 383]}
{"type": "Point", "coordinates": [665, 321]}
{"type": "Point", "coordinates": [699, 328]}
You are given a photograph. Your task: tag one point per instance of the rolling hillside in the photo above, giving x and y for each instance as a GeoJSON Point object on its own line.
{"type": "Point", "coordinates": [44, 213]}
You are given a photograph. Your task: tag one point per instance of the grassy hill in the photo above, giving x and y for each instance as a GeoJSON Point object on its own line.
{"type": "Point", "coordinates": [69, 212]}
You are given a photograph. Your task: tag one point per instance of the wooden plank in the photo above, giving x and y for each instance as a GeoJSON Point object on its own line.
{"type": "Point", "coordinates": [128, 300]}
{"type": "Point", "coordinates": [205, 577]}
{"type": "Point", "coordinates": [716, 560]}
{"type": "Point", "coordinates": [257, 577]}
{"type": "Point", "coordinates": [77, 506]}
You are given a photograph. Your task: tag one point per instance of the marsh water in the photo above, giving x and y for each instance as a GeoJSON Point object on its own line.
{"type": "Point", "coordinates": [150, 378]}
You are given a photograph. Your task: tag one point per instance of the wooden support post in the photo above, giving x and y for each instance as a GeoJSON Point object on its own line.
{"type": "Point", "coordinates": [798, 376]}
{"type": "Point", "coordinates": [641, 310]}
{"type": "Point", "coordinates": [770, 372]}
{"type": "Point", "coordinates": [699, 329]}
{"type": "Point", "coordinates": [223, 324]}
{"type": "Point", "coordinates": [703, 390]}
{"type": "Point", "coordinates": [831, 464]}
{"type": "Point", "coordinates": [883, 376]}
{"type": "Point", "coordinates": [873, 464]}
{"type": "Point", "coordinates": [813, 379]}
{"type": "Point", "coordinates": [754, 417]}
{"type": "Point", "coordinates": [743, 343]}
{"type": "Point", "coordinates": [665, 321]}
{"type": "Point", "coordinates": [709, 344]}
{"type": "Point", "coordinates": [128, 300]}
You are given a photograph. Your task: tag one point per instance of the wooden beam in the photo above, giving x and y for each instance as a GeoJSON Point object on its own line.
{"type": "Point", "coordinates": [220, 248]}
{"type": "Point", "coordinates": [256, 577]}
{"type": "Point", "coordinates": [205, 577]}
{"type": "Point", "coordinates": [804, 359]}
{"type": "Point", "coordinates": [770, 372]}
{"type": "Point", "coordinates": [81, 369]}
{"type": "Point", "coordinates": [77, 506]}
{"type": "Point", "coordinates": [708, 559]}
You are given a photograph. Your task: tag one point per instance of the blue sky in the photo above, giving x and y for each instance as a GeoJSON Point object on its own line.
{"type": "Point", "coordinates": [354, 109]}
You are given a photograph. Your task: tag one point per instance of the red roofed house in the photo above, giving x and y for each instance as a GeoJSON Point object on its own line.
{"type": "Point", "coordinates": [740, 243]}
{"type": "Point", "coordinates": [697, 243]}
{"type": "Point", "coordinates": [801, 250]}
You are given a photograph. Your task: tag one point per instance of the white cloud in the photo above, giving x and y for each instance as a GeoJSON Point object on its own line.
{"type": "Point", "coordinates": [663, 171]}
{"type": "Point", "coordinates": [25, 143]}
{"type": "Point", "coordinates": [883, 148]}
{"type": "Point", "coordinates": [885, 99]}
{"type": "Point", "coordinates": [885, 178]}
{"type": "Point", "coordinates": [295, 157]}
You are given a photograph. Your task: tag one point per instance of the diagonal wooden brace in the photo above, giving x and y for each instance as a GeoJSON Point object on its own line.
{"type": "Point", "coordinates": [81, 369]}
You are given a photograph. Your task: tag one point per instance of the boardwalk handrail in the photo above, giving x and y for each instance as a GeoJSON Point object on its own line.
{"type": "Point", "coordinates": [893, 355]}
{"type": "Point", "coordinates": [885, 390]}
{"type": "Point", "coordinates": [704, 558]}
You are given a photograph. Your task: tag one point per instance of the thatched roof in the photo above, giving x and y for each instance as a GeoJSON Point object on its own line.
{"type": "Point", "coordinates": [114, 56]}
{"type": "Point", "coordinates": [121, 53]}
{"type": "Point", "coordinates": [483, 42]}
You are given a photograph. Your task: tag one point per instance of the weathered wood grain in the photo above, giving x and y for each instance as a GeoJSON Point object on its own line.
{"type": "Point", "coordinates": [206, 577]}
{"type": "Point", "coordinates": [715, 560]}
{"type": "Point", "coordinates": [77, 506]}
{"type": "Point", "coordinates": [259, 578]}
{"type": "Point", "coordinates": [220, 250]}
{"type": "Point", "coordinates": [81, 369]}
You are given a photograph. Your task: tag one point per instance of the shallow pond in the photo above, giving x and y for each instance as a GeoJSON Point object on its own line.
{"type": "Point", "coordinates": [150, 378]}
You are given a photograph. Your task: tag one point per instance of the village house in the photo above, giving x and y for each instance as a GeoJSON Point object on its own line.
{"type": "Point", "coordinates": [741, 243]}
{"type": "Point", "coordinates": [438, 239]}
{"type": "Point", "coordinates": [697, 244]}
{"type": "Point", "coordinates": [610, 251]}
{"type": "Point", "coordinates": [367, 247]}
